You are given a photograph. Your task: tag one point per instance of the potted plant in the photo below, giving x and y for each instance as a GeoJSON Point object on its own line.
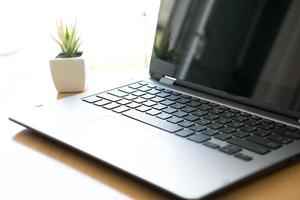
{"type": "Point", "coordinates": [68, 68]}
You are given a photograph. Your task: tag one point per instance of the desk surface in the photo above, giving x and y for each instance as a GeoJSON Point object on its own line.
{"type": "Point", "coordinates": [33, 167]}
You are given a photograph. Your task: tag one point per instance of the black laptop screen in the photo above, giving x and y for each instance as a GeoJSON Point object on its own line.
{"type": "Point", "coordinates": [244, 48]}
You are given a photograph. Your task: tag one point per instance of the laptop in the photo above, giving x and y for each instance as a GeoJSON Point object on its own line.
{"type": "Point", "coordinates": [221, 105]}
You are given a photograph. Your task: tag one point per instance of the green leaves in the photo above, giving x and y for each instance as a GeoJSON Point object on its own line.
{"type": "Point", "coordinates": [68, 41]}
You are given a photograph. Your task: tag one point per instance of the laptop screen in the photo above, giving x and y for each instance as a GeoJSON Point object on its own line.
{"type": "Point", "coordinates": [244, 48]}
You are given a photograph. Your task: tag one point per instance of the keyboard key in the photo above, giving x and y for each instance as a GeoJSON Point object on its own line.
{"type": "Point", "coordinates": [138, 93]}
{"type": "Point", "coordinates": [210, 132]}
{"type": "Point", "coordinates": [185, 124]}
{"type": "Point", "coordinates": [224, 108]}
{"type": "Point", "coordinates": [234, 111]}
{"type": "Point", "coordinates": [211, 145]}
{"type": "Point", "coordinates": [148, 96]}
{"type": "Point", "coordinates": [163, 94]}
{"type": "Point", "coordinates": [102, 102]}
{"type": "Point", "coordinates": [164, 115]}
{"type": "Point", "coordinates": [266, 126]}
{"type": "Point", "coordinates": [235, 124]}
{"type": "Point", "coordinates": [159, 106]}
{"type": "Point", "coordinates": [153, 91]}
{"type": "Point", "coordinates": [195, 99]}
{"type": "Point", "coordinates": [248, 128]}
{"type": "Point", "coordinates": [230, 149]}
{"type": "Point", "coordinates": [204, 107]}
{"type": "Point", "coordinates": [248, 145]}
{"type": "Point", "coordinates": [153, 121]}
{"type": "Point", "coordinates": [167, 91]}
{"type": "Point", "coordinates": [280, 139]}
{"type": "Point", "coordinates": [149, 103]}
{"type": "Point", "coordinates": [182, 100]}
{"type": "Point", "coordinates": [203, 101]}
{"type": "Point", "coordinates": [222, 136]}
{"type": "Point", "coordinates": [127, 89]}
{"type": "Point", "coordinates": [172, 97]}
{"type": "Point", "coordinates": [215, 125]}
{"type": "Point", "coordinates": [264, 142]}
{"type": "Point", "coordinates": [170, 110]}
{"type": "Point", "coordinates": [151, 85]}
{"type": "Point", "coordinates": [143, 83]}
{"type": "Point", "coordinates": [180, 114]}
{"type": "Point", "coordinates": [198, 138]}
{"type": "Point", "coordinates": [245, 114]}
{"type": "Point", "coordinates": [186, 96]}
{"type": "Point", "coordinates": [278, 124]}
{"type": "Point", "coordinates": [227, 130]}
{"type": "Point", "coordinates": [130, 97]}
{"type": "Point", "coordinates": [268, 121]}
{"type": "Point", "coordinates": [108, 97]}
{"type": "Point", "coordinates": [158, 88]}
{"type": "Point", "coordinates": [135, 86]}
{"type": "Point", "coordinates": [139, 100]}
{"type": "Point", "coordinates": [216, 111]}
{"type": "Point", "coordinates": [291, 128]}
{"type": "Point", "coordinates": [117, 93]}
{"type": "Point", "coordinates": [91, 99]}
{"type": "Point", "coordinates": [252, 122]}
{"type": "Point", "coordinates": [199, 113]}
{"type": "Point", "coordinates": [293, 135]}
{"type": "Point", "coordinates": [211, 117]}
{"type": "Point", "coordinates": [191, 118]}
{"type": "Point", "coordinates": [243, 157]}
{"type": "Point", "coordinates": [178, 105]}
{"type": "Point", "coordinates": [185, 133]}
{"type": "Point", "coordinates": [153, 112]}
{"type": "Point", "coordinates": [261, 133]}
{"type": "Point", "coordinates": [213, 104]}
{"type": "Point", "coordinates": [228, 115]}
{"type": "Point", "coordinates": [111, 105]}
{"type": "Point", "coordinates": [157, 99]}
{"type": "Point", "coordinates": [143, 108]}
{"type": "Point", "coordinates": [124, 102]}
{"type": "Point", "coordinates": [240, 118]}
{"type": "Point", "coordinates": [133, 105]}
{"type": "Point", "coordinates": [144, 89]}
{"type": "Point", "coordinates": [194, 103]}
{"type": "Point", "coordinates": [280, 130]}
{"type": "Point", "coordinates": [256, 117]}
{"type": "Point", "coordinates": [203, 122]}
{"type": "Point", "coordinates": [188, 109]}
{"type": "Point", "coordinates": [197, 128]}
{"type": "Point", "coordinates": [120, 109]}
{"type": "Point", "coordinates": [167, 102]}
{"type": "Point", "coordinates": [175, 120]}
{"type": "Point", "coordinates": [223, 121]}
{"type": "Point", "coordinates": [240, 134]}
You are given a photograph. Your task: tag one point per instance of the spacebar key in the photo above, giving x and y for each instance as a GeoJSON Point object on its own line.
{"type": "Point", "coordinates": [153, 121]}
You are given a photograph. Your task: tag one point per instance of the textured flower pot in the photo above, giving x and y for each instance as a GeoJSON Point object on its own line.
{"type": "Point", "coordinates": [68, 74]}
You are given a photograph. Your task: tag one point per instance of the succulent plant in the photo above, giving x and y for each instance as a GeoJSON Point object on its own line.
{"type": "Point", "coordinates": [68, 40]}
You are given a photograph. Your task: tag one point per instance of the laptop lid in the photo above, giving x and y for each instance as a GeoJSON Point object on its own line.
{"type": "Point", "coordinates": [247, 51]}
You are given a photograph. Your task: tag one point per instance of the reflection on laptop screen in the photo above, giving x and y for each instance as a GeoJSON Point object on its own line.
{"type": "Point", "coordinates": [245, 48]}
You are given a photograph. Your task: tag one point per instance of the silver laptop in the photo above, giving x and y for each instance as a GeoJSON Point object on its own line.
{"type": "Point", "coordinates": [222, 103]}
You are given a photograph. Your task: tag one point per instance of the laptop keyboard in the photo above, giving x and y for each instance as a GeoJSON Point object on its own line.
{"type": "Point", "coordinates": [197, 120]}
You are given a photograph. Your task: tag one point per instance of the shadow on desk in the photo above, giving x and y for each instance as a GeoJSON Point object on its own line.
{"type": "Point", "coordinates": [97, 170]}
{"type": "Point", "coordinates": [284, 184]}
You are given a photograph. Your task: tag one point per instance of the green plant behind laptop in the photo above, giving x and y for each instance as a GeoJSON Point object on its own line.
{"type": "Point", "coordinates": [68, 40]}
{"type": "Point", "coordinates": [162, 48]}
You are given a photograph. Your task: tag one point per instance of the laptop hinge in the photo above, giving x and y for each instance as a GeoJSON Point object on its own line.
{"type": "Point", "coordinates": [167, 80]}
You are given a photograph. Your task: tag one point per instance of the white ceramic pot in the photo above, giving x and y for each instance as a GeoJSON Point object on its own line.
{"type": "Point", "coordinates": [68, 74]}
